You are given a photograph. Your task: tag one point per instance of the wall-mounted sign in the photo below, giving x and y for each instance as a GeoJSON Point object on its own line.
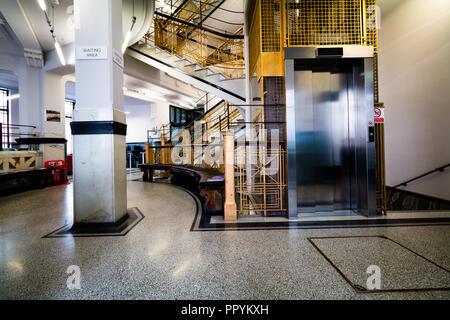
{"type": "Point", "coordinates": [91, 53]}
{"type": "Point", "coordinates": [379, 115]}
{"type": "Point", "coordinates": [118, 58]}
{"type": "Point", "coordinates": [53, 116]}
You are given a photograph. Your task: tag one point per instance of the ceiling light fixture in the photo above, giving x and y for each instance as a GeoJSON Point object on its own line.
{"type": "Point", "coordinates": [60, 53]}
{"type": "Point", "coordinates": [128, 36]}
{"type": "Point", "coordinates": [42, 4]}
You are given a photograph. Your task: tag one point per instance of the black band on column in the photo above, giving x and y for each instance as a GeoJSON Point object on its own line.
{"type": "Point", "coordinates": [98, 127]}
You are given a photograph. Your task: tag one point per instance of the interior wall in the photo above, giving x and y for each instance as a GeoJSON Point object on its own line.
{"type": "Point", "coordinates": [139, 119]}
{"type": "Point", "coordinates": [28, 106]}
{"type": "Point", "coordinates": [414, 69]}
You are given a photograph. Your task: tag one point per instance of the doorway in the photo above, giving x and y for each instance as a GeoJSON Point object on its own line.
{"type": "Point", "coordinates": [330, 136]}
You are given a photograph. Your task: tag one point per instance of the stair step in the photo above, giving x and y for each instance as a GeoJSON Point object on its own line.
{"type": "Point", "coordinates": [202, 73]}
{"type": "Point", "coordinates": [196, 65]}
{"type": "Point", "coordinates": [215, 77]}
{"type": "Point", "coordinates": [232, 79]}
{"type": "Point", "coordinates": [180, 64]}
{"type": "Point", "coordinates": [188, 68]}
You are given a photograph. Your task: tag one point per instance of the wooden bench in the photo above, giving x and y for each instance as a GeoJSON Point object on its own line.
{"type": "Point", "coordinates": [204, 182]}
{"type": "Point", "coordinates": [23, 180]}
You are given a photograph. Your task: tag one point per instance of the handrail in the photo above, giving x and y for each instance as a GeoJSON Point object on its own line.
{"type": "Point", "coordinates": [6, 131]}
{"type": "Point", "coordinates": [208, 111]}
{"type": "Point", "coordinates": [21, 126]}
{"type": "Point", "coordinates": [440, 169]}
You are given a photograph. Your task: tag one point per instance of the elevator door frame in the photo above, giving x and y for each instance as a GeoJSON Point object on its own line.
{"type": "Point", "coordinates": [366, 204]}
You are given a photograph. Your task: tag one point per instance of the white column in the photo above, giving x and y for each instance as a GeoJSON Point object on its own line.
{"type": "Point", "coordinates": [100, 193]}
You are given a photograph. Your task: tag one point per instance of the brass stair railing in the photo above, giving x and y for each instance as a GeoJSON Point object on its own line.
{"type": "Point", "coordinates": [208, 48]}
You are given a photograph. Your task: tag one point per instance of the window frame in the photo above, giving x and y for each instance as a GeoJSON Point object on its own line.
{"type": "Point", "coordinates": [5, 109]}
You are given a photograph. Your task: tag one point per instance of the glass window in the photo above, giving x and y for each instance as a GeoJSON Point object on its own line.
{"type": "Point", "coordinates": [69, 106]}
{"type": "Point", "coordinates": [4, 117]}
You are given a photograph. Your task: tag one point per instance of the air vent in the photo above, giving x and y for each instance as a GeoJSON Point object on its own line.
{"type": "Point", "coordinates": [329, 52]}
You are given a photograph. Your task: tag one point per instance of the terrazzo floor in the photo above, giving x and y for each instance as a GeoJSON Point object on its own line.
{"type": "Point", "coordinates": [161, 259]}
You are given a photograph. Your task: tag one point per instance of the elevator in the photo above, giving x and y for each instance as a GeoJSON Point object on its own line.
{"type": "Point", "coordinates": [330, 131]}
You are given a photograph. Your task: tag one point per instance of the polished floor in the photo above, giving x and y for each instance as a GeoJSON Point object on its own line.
{"type": "Point", "coordinates": [162, 259]}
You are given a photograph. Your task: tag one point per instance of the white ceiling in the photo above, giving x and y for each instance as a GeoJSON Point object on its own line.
{"type": "Point", "coordinates": [63, 22]}
{"type": "Point", "coordinates": [233, 18]}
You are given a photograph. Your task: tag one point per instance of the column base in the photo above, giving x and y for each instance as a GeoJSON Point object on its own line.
{"type": "Point", "coordinates": [230, 212]}
{"type": "Point", "coordinates": [119, 228]}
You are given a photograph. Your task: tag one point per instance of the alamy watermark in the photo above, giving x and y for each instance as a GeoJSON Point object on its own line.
{"type": "Point", "coordinates": [374, 280]}
{"type": "Point", "coordinates": [74, 280]}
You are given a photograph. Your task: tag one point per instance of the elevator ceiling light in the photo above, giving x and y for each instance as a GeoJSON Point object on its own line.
{"type": "Point", "coordinates": [42, 4]}
{"type": "Point", "coordinates": [60, 53]}
{"type": "Point", "coordinates": [9, 98]}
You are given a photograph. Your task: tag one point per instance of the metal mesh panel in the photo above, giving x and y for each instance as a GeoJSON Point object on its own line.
{"type": "Point", "coordinates": [375, 78]}
{"type": "Point", "coordinates": [254, 39]}
{"type": "Point", "coordinates": [271, 25]}
{"type": "Point", "coordinates": [371, 24]}
{"type": "Point", "coordinates": [274, 108]}
{"type": "Point", "coordinates": [323, 22]}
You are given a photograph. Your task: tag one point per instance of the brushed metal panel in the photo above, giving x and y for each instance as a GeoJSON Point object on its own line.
{"type": "Point", "coordinates": [331, 163]}
{"type": "Point", "coordinates": [291, 138]}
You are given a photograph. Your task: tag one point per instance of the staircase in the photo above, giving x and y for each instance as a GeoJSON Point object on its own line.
{"type": "Point", "coordinates": [228, 89]}
{"type": "Point", "coordinates": [220, 118]}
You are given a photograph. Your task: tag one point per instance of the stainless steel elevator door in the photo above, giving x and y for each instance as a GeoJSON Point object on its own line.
{"type": "Point", "coordinates": [324, 155]}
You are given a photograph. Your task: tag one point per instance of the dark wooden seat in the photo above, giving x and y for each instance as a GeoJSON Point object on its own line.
{"type": "Point", "coordinates": [202, 181]}
{"type": "Point", "coordinates": [24, 180]}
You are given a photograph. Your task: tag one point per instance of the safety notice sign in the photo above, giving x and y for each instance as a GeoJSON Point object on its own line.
{"type": "Point", "coordinates": [379, 115]}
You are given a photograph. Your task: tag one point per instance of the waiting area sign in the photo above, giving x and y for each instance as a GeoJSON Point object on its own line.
{"type": "Point", "coordinates": [91, 53]}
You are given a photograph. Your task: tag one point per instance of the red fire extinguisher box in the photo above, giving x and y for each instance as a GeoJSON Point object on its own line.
{"type": "Point", "coordinates": [58, 174]}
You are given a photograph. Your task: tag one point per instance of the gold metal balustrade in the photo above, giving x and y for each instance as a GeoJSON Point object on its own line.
{"type": "Point", "coordinates": [222, 55]}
